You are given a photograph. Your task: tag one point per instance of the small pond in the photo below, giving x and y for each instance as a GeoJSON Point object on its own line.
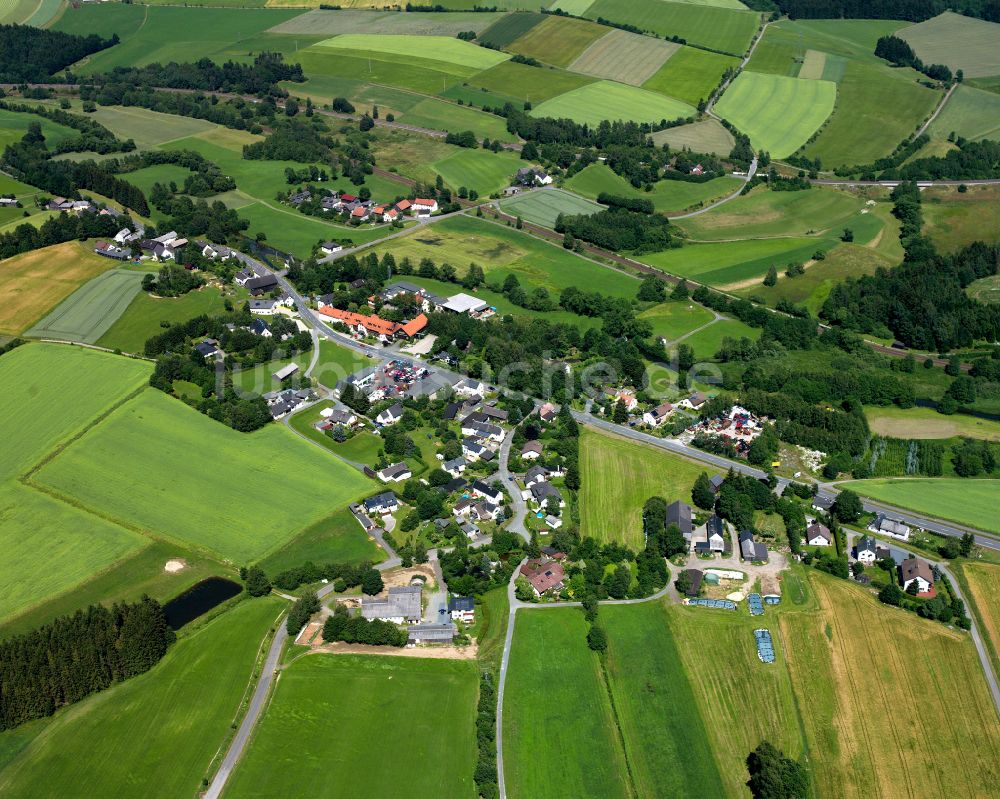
{"type": "Point", "coordinates": [198, 600]}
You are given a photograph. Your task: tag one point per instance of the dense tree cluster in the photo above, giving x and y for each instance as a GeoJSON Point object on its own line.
{"type": "Point", "coordinates": [620, 230]}
{"type": "Point", "coordinates": [33, 55]}
{"type": "Point", "coordinates": [897, 51]}
{"type": "Point", "coordinates": [31, 161]}
{"type": "Point", "coordinates": [292, 140]}
{"type": "Point", "coordinates": [55, 230]}
{"type": "Point", "coordinates": [341, 626]}
{"type": "Point", "coordinates": [171, 281]}
{"type": "Point", "coordinates": [303, 608]}
{"type": "Point", "coordinates": [774, 775]}
{"type": "Point", "coordinates": [207, 178]}
{"type": "Point", "coordinates": [911, 10]}
{"type": "Point", "coordinates": [544, 130]}
{"type": "Point", "coordinates": [75, 656]}
{"type": "Point", "coordinates": [94, 137]}
{"type": "Point", "coordinates": [973, 160]}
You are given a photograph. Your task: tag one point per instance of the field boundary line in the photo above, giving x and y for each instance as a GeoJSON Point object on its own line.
{"type": "Point", "coordinates": [633, 790]}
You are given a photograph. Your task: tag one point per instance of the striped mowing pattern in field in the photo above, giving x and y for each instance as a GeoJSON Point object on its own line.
{"type": "Point", "coordinates": [359, 20]}
{"type": "Point", "coordinates": [690, 74]}
{"type": "Point", "coordinates": [971, 113]}
{"type": "Point", "coordinates": [90, 310]}
{"type": "Point", "coordinates": [624, 57]}
{"type": "Point", "coordinates": [558, 40]}
{"type": "Point", "coordinates": [707, 136]}
{"type": "Point", "coordinates": [431, 48]}
{"type": "Point", "coordinates": [972, 45]}
{"type": "Point", "coordinates": [507, 29]}
{"type": "Point", "coordinates": [542, 207]}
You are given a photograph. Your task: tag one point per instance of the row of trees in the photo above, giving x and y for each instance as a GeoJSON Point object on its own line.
{"type": "Point", "coordinates": [55, 230]}
{"type": "Point", "coordinates": [93, 136]}
{"type": "Point", "coordinates": [341, 626]}
{"type": "Point", "coordinates": [620, 230]}
{"type": "Point", "coordinates": [898, 51]}
{"type": "Point", "coordinates": [75, 656]}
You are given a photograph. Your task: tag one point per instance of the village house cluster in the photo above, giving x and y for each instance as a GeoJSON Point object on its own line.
{"type": "Point", "coordinates": [355, 209]}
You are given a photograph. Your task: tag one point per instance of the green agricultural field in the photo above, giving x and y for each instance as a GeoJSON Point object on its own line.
{"type": "Point", "coordinates": [876, 109]}
{"type": "Point", "coordinates": [723, 29]}
{"type": "Point", "coordinates": [928, 423]}
{"type": "Point", "coordinates": [16, 11]}
{"type": "Point", "coordinates": [202, 483]}
{"type": "Point", "coordinates": [557, 40]}
{"type": "Point", "coordinates": [971, 502]}
{"type": "Point", "coordinates": [148, 128]}
{"type": "Point", "coordinates": [772, 214]}
{"type": "Point", "coordinates": [560, 736]}
{"type": "Point", "coordinates": [832, 658]}
{"type": "Point", "coordinates": [357, 20]}
{"type": "Point", "coordinates": [417, 715]}
{"type": "Point", "coordinates": [812, 288]}
{"type": "Point", "coordinates": [741, 701]}
{"type": "Point", "coordinates": [671, 320]}
{"type": "Point", "coordinates": [297, 233]}
{"type": "Point", "coordinates": [14, 124]}
{"type": "Point", "coordinates": [505, 30]}
{"type": "Point", "coordinates": [161, 173]}
{"type": "Point", "coordinates": [521, 82]}
{"type": "Point", "coordinates": [420, 75]}
{"type": "Point", "coordinates": [960, 42]}
{"type": "Point", "coordinates": [142, 319]}
{"type": "Point", "coordinates": [36, 281]}
{"type": "Point", "coordinates": [706, 136]}
{"type": "Point", "coordinates": [575, 7]}
{"type": "Point", "coordinates": [625, 57]}
{"type": "Point", "coordinates": [336, 362]}
{"type": "Point", "coordinates": [955, 220]}
{"type": "Point", "coordinates": [655, 704]}
{"type": "Point", "coordinates": [338, 539]}
{"type": "Point", "coordinates": [260, 379]}
{"type": "Point", "coordinates": [486, 172]}
{"type": "Point", "coordinates": [618, 477]}
{"type": "Point", "coordinates": [596, 102]}
{"type": "Point", "coordinates": [986, 289]}
{"type": "Point", "coordinates": [706, 343]}
{"type": "Point", "coordinates": [668, 196]}
{"type": "Point", "coordinates": [542, 207]}
{"type": "Point", "coordinates": [89, 312]}
{"type": "Point", "coordinates": [51, 392]}
{"type": "Point", "coordinates": [735, 263]}
{"type": "Point", "coordinates": [114, 742]}
{"type": "Point", "coordinates": [502, 251]}
{"type": "Point", "coordinates": [971, 113]}
{"type": "Point", "coordinates": [982, 581]}
{"type": "Point", "coordinates": [463, 56]}
{"type": "Point", "coordinates": [779, 114]}
{"type": "Point", "coordinates": [690, 75]}
{"type": "Point", "coordinates": [165, 34]}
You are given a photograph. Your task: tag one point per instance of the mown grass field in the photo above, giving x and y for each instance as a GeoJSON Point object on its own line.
{"type": "Point", "coordinates": [773, 214]}
{"type": "Point", "coordinates": [671, 320]}
{"type": "Point", "coordinates": [458, 55]}
{"type": "Point", "coordinates": [296, 233]}
{"type": "Point", "coordinates": [520, 82]}
{"type": "Point", "coordinates": [971, 502]}
{"type": "Point", "coordinates": [955, 219]}
{"type": "Point", "coordinates": [165, 33]}
{"type": "Point", "coordinates": [89, 311]}
{"type": "Point", "coordinates": [960, 42]}
{"type": "Point", "coordinates": [618, 477]}
{"type": "Point", "coordinates": [706, 343]}
{"type": "Point", "coordinates": [971, 113]}
{"type": "Point", "coordinates": [141, 320]}
{"type": "Point", "coordinates": [708, 136]}
{"type": "Point", "coordinates": [500, 251]}
{"type": "Point", "coordinates": [542, 207]}
{"type": "Point", "coordinates": [625, 57]}
{"type": "Point", "coordinates": [337, 539]}
{"type": "Point", "coordinates": [115, 742]}
{"type": "Point", "coordinates": [667, 195]}
{"type": "Point", "coordinates": [336, 362]}
{"type": "Point", "coordinates": [724, 29]}
{"type": "Point", "coordinates": [655, 704]}
{"type": "Point", "coordinates": [928, 423]}
{"type": "Point", "coordinates": [14, 124]}
{"type": "Point", "coordinates": [411, 723]}
{"type": "Point", "coordinates": [557, 40]}
{"type": "Point", "coordinates": [148, 128]}
{"type": "Point", "coordinates": [786, 43]}
{"type": "Point", "coordinates": [690, 75]}
{"type": "Point", "coordinates": [560, 737]}
{"type": "Point", "coordinates": [855, 664]}
{"type": "Point", "coordinates": [35, 282]}
{"type": "Point", "coordinates": [205, 485]}
{"type": "Point", "coordinates": [812, 288]}
{"type": "Point", "coordinates": [614, 101]}
{"type": "Point", "coordinates": [482, 170]}
{"type": "Point", "coordinates": [778, 113]}
{"type": "Point", "coordinates": [876, 109]}
{"type": "Point", "coordinates": [741, 701]}
{"type": "Point", "coordinates": [735, 263]}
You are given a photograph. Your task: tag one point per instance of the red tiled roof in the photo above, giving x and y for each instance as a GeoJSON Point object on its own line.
{"type": "Point", "coordinates": [373, 324]}
{"type": "Point", "coordinates": [402, 205]}
{"type": "Point", "coordinates": [359, 212]}
{"type": "Point", "coordinates": [348, 198]}
{"type": "Point", "coordinates": [422, 201]}
{"type": "Point", "coordinates": [543, 575]}
{"type": "Point", "coordinates": [415, 325]}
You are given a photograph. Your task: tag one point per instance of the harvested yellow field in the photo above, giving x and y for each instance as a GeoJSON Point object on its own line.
{"type": "Point", "coordinates": [892, 705]}
{"type": "Point", "coordinates": [984, 586]}
{"type": "Point", "coordinates": [33, 283]}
